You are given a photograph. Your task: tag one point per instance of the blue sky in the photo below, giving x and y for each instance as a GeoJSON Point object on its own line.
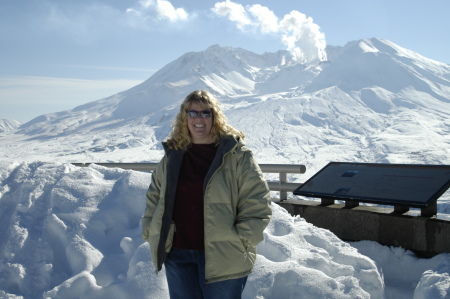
{"type": "Point", "coordinates": [58, 54]}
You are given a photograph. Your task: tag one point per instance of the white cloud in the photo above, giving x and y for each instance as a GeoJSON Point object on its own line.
{"type": "Point", "coordinates": [301, 36]}
{"type": "Point", "coordinates": [82, 23]}
{"type": "Point", "coordinates": [111, 68]}
{"type": "Point", "coordinates": [267, 20]}
{"type": "Point", "coordinates": [47, 90]}
{"type": "Point", "coordinates": [151, 10]}
{"type": "Point", "coordinates": [89, 22]}
{"type": "Point", "coordinates": [24, 97]}
{"type": "Point", "coordinates": [166, 10]}
{"type": "Point", "coordinates": [235, 12]}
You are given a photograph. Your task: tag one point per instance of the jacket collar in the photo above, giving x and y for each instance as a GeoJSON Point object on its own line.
{"type": "Point", "coordinates": [226, 144]}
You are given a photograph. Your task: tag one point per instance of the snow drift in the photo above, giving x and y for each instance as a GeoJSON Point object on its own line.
{"type": "Point", "coordinates": [69, 232]}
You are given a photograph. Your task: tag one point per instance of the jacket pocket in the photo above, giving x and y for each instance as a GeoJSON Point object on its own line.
{"type": "Point", "coordinates": [169, 240]}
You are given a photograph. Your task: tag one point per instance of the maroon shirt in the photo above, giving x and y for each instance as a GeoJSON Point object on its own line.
{"type": "Point", "coordinates": [188, 209]}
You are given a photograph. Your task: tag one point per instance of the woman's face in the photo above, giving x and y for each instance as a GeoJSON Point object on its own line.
{"type": "Point", "coordinates": [199, 127]}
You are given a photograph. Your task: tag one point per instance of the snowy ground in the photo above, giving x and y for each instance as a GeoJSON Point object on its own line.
{"type": "Point", "coordinates": [69, 232]}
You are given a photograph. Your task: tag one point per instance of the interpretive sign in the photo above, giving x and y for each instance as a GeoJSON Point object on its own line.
{"type": "Point", "coordinates": [409, 185]}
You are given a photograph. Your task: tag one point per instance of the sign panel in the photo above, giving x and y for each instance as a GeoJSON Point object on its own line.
{"type": "Point", "coordinates": [389, 184]}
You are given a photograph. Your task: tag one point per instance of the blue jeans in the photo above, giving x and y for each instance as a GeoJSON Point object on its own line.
{"type": "Point", "coordinates": [185, 272]}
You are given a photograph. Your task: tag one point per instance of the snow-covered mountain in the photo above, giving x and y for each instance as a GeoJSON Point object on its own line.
{"type": "Point", "coordinates": [7, 125]}
{"type": "Point", "coordinates": [372, 101]}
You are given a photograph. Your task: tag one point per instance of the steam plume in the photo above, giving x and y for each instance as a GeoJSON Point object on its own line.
{"type": "Point", "coordinates": [301, 36]}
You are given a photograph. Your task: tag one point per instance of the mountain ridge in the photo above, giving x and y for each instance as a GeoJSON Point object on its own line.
{"type": "Point", "coordinates": [8, 125]}
{"type": "Point", "coordinates": [372, 101]}
{"type": "Point", "coordinates": [229, 72]}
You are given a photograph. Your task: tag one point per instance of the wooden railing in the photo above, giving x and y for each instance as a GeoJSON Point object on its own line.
{"type": "Point", "coordinates": [283, 186]}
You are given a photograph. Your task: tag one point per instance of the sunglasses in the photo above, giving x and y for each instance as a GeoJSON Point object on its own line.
{"type": "Point", "coordinates": [203, 113]}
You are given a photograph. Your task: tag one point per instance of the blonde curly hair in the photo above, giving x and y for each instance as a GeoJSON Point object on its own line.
{"type": "Point", "coordinates": [180, 138]}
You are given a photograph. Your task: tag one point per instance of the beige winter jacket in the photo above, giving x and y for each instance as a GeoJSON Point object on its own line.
{"type": "Point", "coordinates": [236, 210]}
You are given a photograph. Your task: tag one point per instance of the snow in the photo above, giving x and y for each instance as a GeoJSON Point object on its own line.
{"type": "Point", "coordinates": [70, 232]}
{"type": "Point", "coordinates": [7, 125]}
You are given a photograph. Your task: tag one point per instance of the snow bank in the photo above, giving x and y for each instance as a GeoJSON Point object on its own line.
{"type": "Point", "coordinates": [299, 260]}
{"type": "Point", "coordinates": [69, 232]}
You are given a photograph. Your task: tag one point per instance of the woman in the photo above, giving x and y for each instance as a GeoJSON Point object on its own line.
{"type": "Point", "coordinates": [207, 205]}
